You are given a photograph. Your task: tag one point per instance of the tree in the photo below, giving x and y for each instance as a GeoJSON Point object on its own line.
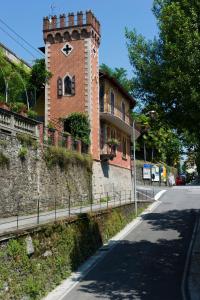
{"type": "Point", "coordinates": [39, 75]}
{"type": "Point", "coordinates": [120, 74]}
{"type": "Point", "coordinates": [161, 143]}
{"type": "Point", "coordinates": [167, 69]}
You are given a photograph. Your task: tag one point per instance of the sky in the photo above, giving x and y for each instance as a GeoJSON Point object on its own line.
{"type": "Point", "coordinates": [25, 17]}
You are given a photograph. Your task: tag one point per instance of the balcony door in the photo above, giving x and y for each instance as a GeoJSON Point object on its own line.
{"type": "Point", "coordinates": [112, 103]}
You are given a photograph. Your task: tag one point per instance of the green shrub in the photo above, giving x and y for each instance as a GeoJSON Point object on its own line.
{"type": "Point", "coordinates": [78, 125]}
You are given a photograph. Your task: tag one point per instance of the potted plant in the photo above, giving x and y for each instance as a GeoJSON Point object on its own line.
{"type": "Point", "coordinates": [113, 143]}
{"type": "Point", "coordinates": [32, 114]}
{"type": "Point", "coordinates": [4, 105]}
{"type": "Point", "coordinates": [19, 108]}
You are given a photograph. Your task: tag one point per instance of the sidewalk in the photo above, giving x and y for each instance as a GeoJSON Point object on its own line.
{"type": "Point", "coordinates": [194, 268]}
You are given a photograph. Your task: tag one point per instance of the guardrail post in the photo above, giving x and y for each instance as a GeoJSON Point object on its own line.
{"type": "Point", "coordinates": [55, 209]}
{"type": "Point", "coordinates": [69, 205]}
{"type": "Point", "coordinates": [107, 199]}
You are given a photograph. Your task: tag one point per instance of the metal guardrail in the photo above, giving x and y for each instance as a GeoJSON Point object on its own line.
{"type": "Point", "coordinates": [46, 211]}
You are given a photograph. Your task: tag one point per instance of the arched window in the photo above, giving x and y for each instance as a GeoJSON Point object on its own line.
{"type": "Point", "coordinates": [69, 85]}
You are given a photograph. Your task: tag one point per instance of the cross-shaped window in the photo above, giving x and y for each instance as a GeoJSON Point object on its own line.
{"type": "Point", "coordinates": [67, 49]}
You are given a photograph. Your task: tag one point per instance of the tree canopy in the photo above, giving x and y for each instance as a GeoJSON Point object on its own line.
{"type": "Point", "coordinates": [167, 68]}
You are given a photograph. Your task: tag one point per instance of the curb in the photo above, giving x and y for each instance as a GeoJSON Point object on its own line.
{"type": "Point", "coordinates": [67, 285]}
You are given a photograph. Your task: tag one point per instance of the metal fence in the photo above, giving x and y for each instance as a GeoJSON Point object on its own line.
{"type": "Point", "coordinates": [53, 209]}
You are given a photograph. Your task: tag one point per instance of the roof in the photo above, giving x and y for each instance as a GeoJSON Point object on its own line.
{"type": "Point", "coordinates": [116, 83]}
{"type": "Point", "coordinates": [12, 56]}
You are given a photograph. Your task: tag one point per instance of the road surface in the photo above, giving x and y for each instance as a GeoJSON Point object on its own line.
{"type": "Point", "coordinates": [149, 263]}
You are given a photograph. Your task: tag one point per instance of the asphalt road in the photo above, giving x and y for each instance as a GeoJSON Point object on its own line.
{"type": "Point", "coordinates": [149, 263]}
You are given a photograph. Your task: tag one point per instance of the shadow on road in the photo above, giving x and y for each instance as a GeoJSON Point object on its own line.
{"type": "Point", "coordinates": [144, 267]}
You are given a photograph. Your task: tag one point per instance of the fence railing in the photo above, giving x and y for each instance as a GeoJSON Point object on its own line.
{"type": "Point", "coordinates": [53, 137]}
{"type": "Point", "coordinates": [46, 210]}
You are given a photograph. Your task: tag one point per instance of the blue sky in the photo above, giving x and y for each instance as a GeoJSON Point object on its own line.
{"type": "Point", "coordinates": [25, 17]}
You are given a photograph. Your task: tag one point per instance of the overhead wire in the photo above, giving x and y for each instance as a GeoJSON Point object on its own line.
{"type": "Point", "coordinates": [19, 36]}
{"type": "Point", "coordinates": [18, 42]}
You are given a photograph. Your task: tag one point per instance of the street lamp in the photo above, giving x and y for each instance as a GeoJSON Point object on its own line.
{"type": "Point", "coordinates": [133, 169]}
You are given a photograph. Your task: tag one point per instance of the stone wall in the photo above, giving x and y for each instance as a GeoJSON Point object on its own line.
{"type": "Point", "coordinates": [26, 182]}
{"type": "Point", "coordinates": [108, 178]}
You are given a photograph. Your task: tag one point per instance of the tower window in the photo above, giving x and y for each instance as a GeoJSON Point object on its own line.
{"type": "Point", "coordinates": [69, 86]}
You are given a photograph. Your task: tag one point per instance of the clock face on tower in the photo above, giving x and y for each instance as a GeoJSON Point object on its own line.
{"type": "Point", "coordinates": [67, 49]}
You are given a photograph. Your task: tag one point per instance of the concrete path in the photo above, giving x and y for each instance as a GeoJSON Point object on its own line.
{"type": "Point", "coordinates": [150, 262]}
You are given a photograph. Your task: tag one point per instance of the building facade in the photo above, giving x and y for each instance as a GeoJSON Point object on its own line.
{"type": "Point", "coordinates": [77, 85]}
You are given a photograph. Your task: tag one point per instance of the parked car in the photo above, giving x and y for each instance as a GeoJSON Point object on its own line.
{"type": "Point", "coordinates": [180, 180]}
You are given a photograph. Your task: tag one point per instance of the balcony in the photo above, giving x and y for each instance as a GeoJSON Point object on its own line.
{"type": "Point", "coordinates": [107, 152]}
{"type": "Point", "coordinates": [116, 120]}
{"type": "Point", "coordinates": [12, 123]}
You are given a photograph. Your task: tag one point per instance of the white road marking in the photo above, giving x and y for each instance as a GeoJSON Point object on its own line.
{"type": "Point", "coordinates": [67, 285]}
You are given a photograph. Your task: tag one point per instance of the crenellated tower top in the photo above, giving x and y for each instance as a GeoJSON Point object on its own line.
{"type": "Point", "coordinates": [71, 27]}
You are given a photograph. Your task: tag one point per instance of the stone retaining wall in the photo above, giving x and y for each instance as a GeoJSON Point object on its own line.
{"type": "Point", "coordinates": [25, 183]}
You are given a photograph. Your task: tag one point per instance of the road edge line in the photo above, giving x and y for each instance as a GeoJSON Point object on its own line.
{"type": "Point", "coordinates": [188, 260]}
{"type": "Point", "coordinates": [159, 194]}
{"type": "Point", "coordinates": [68, 284]}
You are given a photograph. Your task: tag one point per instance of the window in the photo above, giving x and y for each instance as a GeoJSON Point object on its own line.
{"type": "Point", "coordinates": [101, 98]}
{"type": "Point", "coordinates": [123, 112]}
{"type": "Point", "coordinates": [69, 85]}
{"type": "Point", "coordinates": [113, 134]}
{"type": "Point", "coordinates": [112, 103]}
{"type": "Point", "coordinates": [124, 150]}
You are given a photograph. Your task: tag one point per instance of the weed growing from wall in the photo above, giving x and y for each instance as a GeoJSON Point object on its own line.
{"type": "Point", "coordinates": [4, 160]}
{"type": "Point", "coordinates": [58, 250]}
{"type": "Point", "coordinates": [62, 157]}
{"type": "Point", "coordinates": [27, 140]}
{"type": "Point", "coordinates": [23, 151]}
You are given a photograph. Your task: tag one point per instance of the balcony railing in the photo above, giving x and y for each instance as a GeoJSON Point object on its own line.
{"type": "Point", "coordinates": [117, 113]}
{"type": "Point", "coordinates": [12, 123]}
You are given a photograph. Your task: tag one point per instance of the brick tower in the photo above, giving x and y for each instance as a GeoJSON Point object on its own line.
{"type": "Point", "coordinates": [71, 51]}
